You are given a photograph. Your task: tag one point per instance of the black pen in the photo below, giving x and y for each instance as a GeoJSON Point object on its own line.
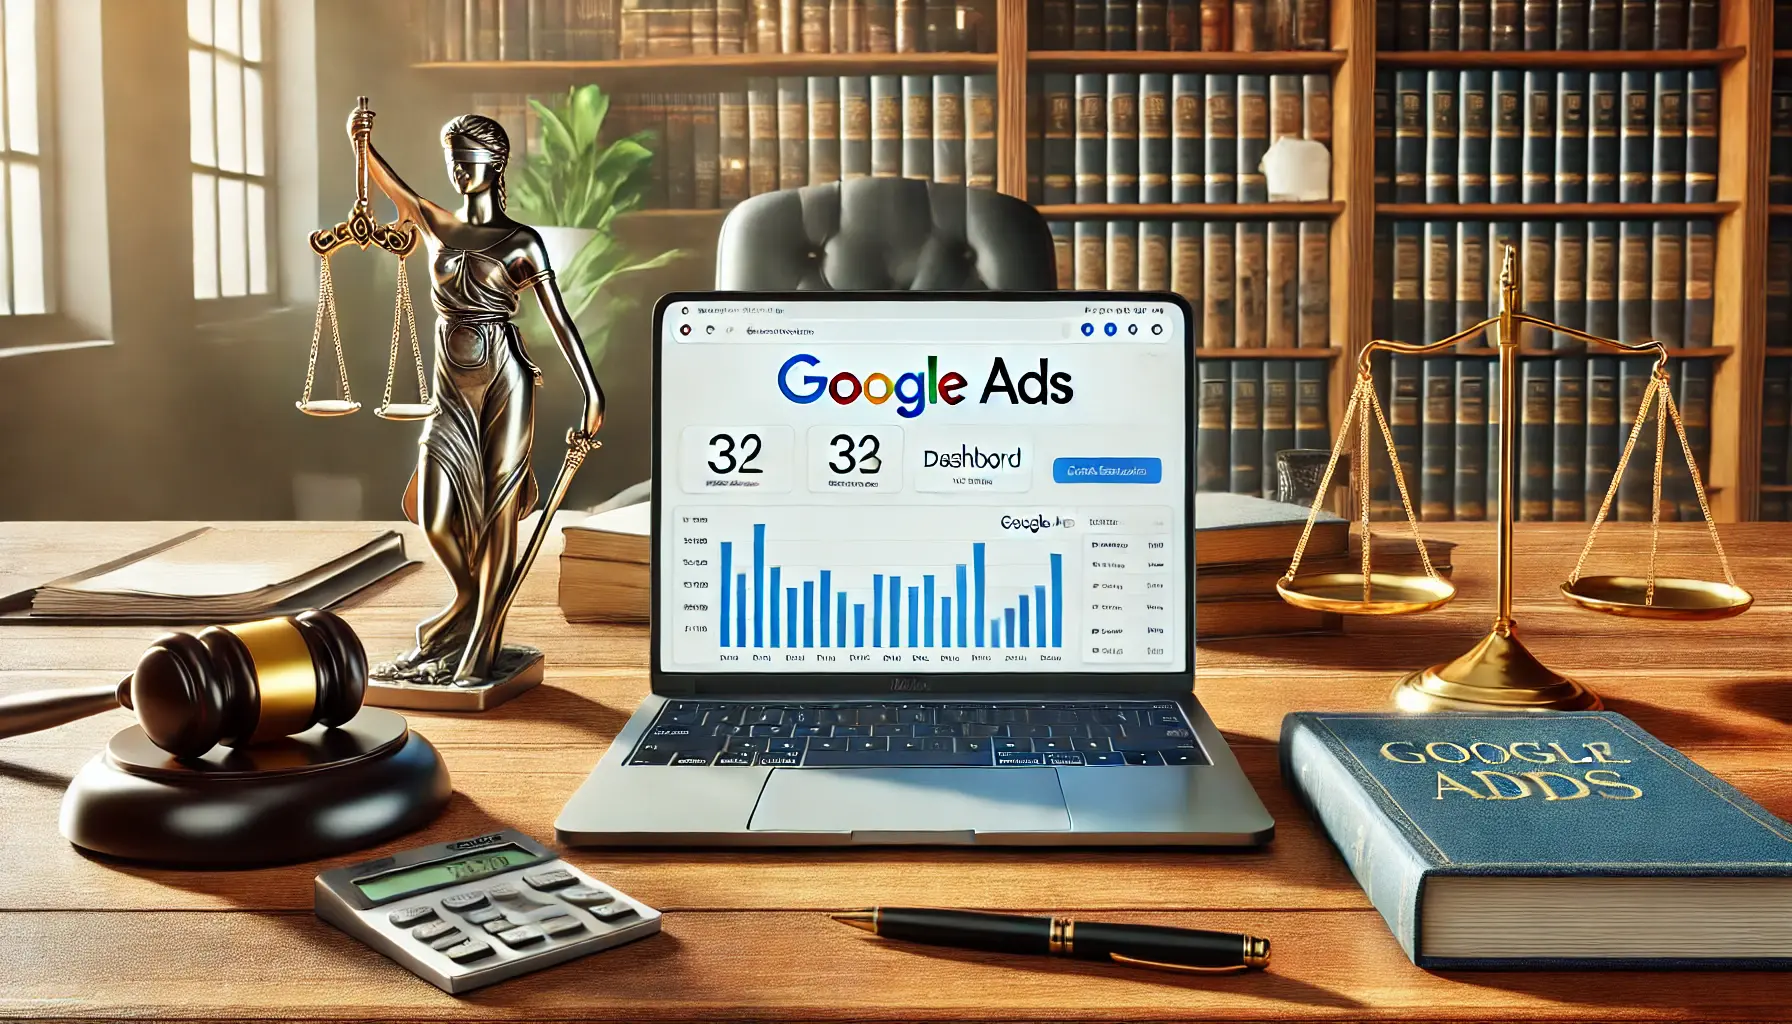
{"type": "Point", "coordinates": [1136, 945]}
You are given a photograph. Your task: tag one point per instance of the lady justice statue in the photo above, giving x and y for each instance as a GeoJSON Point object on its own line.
{"type": "Point", "coordinates": [474, 480]}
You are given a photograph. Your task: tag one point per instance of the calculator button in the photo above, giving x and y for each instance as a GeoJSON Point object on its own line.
{"type": "Point", "coordinates": [504, 892]}
{"type": "Point", "coordinates": [432, 932]}
{"type": "Point", "coordinates": [586, 896]}
{"type": "Point", "coordinates": [612, 911]}
{"type": "Point", "coordinates": [524, 935]}
{"type": "Point", "coordinates": [410, 917]}
{"type": "Point", "coordinates": [498, 924]}
{"type": "Point", "coordinates": [448, 941]}
{"type": "Point", "coordinates": [468, 951]}
{"type": "Point", "coordinates": [485, 915]}
{"type": "Point", "coordinates": [463, 902]}
{"type": "Point", "coordinates": [560, 927]}
{"type": "Point", "coordinates": [559, 878]}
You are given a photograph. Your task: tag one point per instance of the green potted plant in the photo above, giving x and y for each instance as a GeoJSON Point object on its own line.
{"type": "Point", "coordinates": [572, 192]}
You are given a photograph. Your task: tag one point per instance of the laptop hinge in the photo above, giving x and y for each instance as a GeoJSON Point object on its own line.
{"type": "Point", "coordinates": [675, 688]}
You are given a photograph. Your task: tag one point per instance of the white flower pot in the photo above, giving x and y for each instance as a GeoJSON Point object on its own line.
{"type": "Point", "coordinates": [562, 244]}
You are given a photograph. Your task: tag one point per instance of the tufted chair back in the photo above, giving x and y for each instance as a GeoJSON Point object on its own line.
{"type": "Point", "coordinates": [884, 234]}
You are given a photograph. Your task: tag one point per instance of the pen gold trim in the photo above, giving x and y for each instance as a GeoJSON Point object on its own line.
{"type": "Point", "coordinates": [1061, 941]}
{"type": "Point", "coordinates": [1121, 958]}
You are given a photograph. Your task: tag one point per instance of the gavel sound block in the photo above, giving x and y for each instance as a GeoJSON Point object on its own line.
{"type": "Point", "coordinates": [251, 748]}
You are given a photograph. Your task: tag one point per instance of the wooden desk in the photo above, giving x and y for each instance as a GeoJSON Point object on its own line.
{"type": "Point", "coordinates": [744, 937]}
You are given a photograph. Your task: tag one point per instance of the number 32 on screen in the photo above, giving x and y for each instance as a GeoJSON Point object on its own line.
{"type": "Point", "coordinates": [737, 458]}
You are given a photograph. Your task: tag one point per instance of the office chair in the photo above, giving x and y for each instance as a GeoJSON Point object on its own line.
{"type": "Point", "coordinates": [885, 234]}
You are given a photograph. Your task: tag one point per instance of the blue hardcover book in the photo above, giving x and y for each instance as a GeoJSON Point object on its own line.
{"type": "Point", "coordinates": [1222, 139]}
{"type": "Point", "coordinates": [1639, 127]}
{"type": "Point", "coordinates": [1536, 262]}
{"type": "Point", "coordinates": [1188, 112]}
{"type": "Point", "coordinates": [1667, 282]}
{"type": "Point", "coordinates": [855, 128]}
{"type": "Point", "coordinates": [1694, 399]}
{"type": "Point", "coordinates": [1539, 24]}
{"type": "Point", "coordinates": [948, 129]}
{"type": "Point", "coordinates": [1571, 24]}
{"type": "Point", "coordinates": [1437, 441]}
{"type": "Point", "coordinates": [1381, 276]}
{"type": "Point", "coordinates": [1602, 428]}
{"type": "Point", "coordinates": [1536, 441]}
{"type": "Point", "coordinates": [1604, 25]}
{"type": "Point", "coordinates": [1441, 131]}
{"type": "Point", "coordinates": [1603, 127]}
{"type": "Point", "coordinates": [1668, 175]}
{"type": "Point", "coordinates": [1091, 138]}
{"type": "Point", "coordinates": [1701, 135]}
{"type": "Point", "coordinates": [1568, 499]}
{"type": "Point", "coordinates": [1471, 276]}
{"type": "Point", "coordinates": [1123, 138]}
{"type": "Point", "coordinates": [1779, 148]}
{"type": "Point", "coordinates": [1701, 283]}
{"type": "Point", "coordinates": [1405, 422]}
{"type": "Point", "coordinates": [1442, 27]}
{"type": "Point", "coordinates": [1059, 182]}
{"type": "Point", "coordinates": [824, 130]}
{"type": "Point", "coordinates": [1154, 256]}
{"type": "Point", "coordinates": [1278, 416]}
{"type": "Point", "coordinates": [980, 102]}
{"type": "Point", "coordinates": [1633, 281]}
{"type": "Point", "coordinates": [917, 127]}
{"type": "Point", "coordinates": [1384, 136]}
{"type": "Point", "coordinates": [1636, 24]}
{"type": "Point", "coordinates": [1620, 850]}
{"type": "Point", "coordinates": [1439, 268]}
{"type": "Point", "coordinates": [1064, 254]}
{"type": "Point", "coordinates": [1602, 278]}
{"type": "Point", "coordinates": [1571, 137]}
{"type": "Point", "coordinates": [1090, 255]}
{"type": "Point", "coordinates": [886, 127]}
{"type": "Point", "coordinates": [1186, 274]}
{"type": "Point", "coordinates": [1470, 482]}
{"type": "Point", "coordinates": [1246, 471]}
{"type": "Point", "coordinates": [1311, 427]}
{"type": "Point", "coordinates": [1508, 134]}
{"type": "Point", "coordinates": [1539, 136]}
{"type": "Point", "coordinates": [1253, 137]}
{"type": "Point", "coordinates": [1407, 320]}
{"type": "Point", "coordinates": [1213, 452]}
{"type": "Point", "coordinates": [1472, 18]}
{"type": "Point", "coordinates": [1571, 282]}
{"type": "Point", "coordinates": [1123, 255]}
{"type": "Point", "coordinates": [1154, 138]}
{"type": "Point", "coordinates": [1409, 137]}
{"type": "Point", "coordinates": [1474, 158]}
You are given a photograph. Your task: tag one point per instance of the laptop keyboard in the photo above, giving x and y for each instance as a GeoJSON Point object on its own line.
{"type": "Point", "coordinates": [922, 734]}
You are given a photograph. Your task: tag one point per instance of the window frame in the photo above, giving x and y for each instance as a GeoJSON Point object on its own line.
{"type": "Point", "coordinates": [225, 308]}
{"type": "Point", "coordinates": [32, 330]}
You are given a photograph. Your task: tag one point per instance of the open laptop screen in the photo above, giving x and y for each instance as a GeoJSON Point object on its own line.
{"type": "Point", "coordinates": [868, 484]}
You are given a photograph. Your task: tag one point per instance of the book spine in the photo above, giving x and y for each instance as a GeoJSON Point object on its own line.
{"type": "Point", "coordinates": [1407, 320]}
{"type": "Point", "coordinates": [1311, 427]}
{"type": "Point", "coordinates": [1536, 265]}
{"type": "Point", "coordinates": [1252, 291]}
{"type": "Point", "coordinates": [1316, 101]}
{"type": "Point", "coordinates": [762, 135]}
{"type": "Point", "coordinates": [1123, 138]}
{"type": "Point", "coordinates": [704, 17]}
{"type": "Point", "coordinates": [1213, 451]}
{"type": "Point", "coordinates": [1064, 254]}
{"type": "Point", "coordinates": [1441, 138]}
{"type": "Point", "coordinates": [1182, 25]}
{"type": "Point", "coordinates": [767, 26]}
{"type": "Point", "coordinates": [1287, 118]}
{"type": "Point", "coordinates": [1539, 24]}
{"type": "Point", "coordinates": [1535, 443]}
{"type": "Point", "coordinates": [1670, 24]}
{"type": "Point", "coordinates": [1471, 275]}
{"type": "Point", "coordinates": [1440, 280]}
{"type": "Point", "coordinates": [1508, 135]}
{"type": "Point", "coordinates": [1539, 136]}
{"type": "Point", "coordinates": [1572, 18]}
{"type": "Point", "coordinates": [1668, 170]}
{"type": "Point", "coordinates": [1571, 282]}
{"type": "Point", "coordinates": [1701, 283]}
{"type": "Point", "coordinates": [1216, 25]}
{"type": "Point", "coordinates": [1091, 138]}
{"type": "Point", "coordinates": [1776, 410]}
{"type": "Point", "coordinates": [1315, 286]}
{"type": "Point", "coordinates": [1636, 24]}
{"type": "Point", "coordinates": [1278, 418]}
{"type": "Point", "coordinates": [1437, 456]}
{"type": "Point", "coordinates": [1603, 132]}
{"type": "Point", "coordinates": [1059, 181]}
{"type": "Point", "coordinates": [853, 40]}
{"type": "Point", "coordinates": [886, 126]}
{"type": "Point", "coordinates": [1054, 25]}
{"type": "Point", "coordinates": [1779, 276]}
{"type": "Point", "coordinates": [1154, 256]}
{"type": "Point", "coordinates": [1635, 490]}
{"type": "Point", "coordinates": [1246, 431]}
{"type": "Point", "coordinates": [1087, 31]}
{"type": "Point", "coordinates": [1221, 178]}
{"type": "Point", "coordinates": [1469, 484]}
{"type": "Point", "coordinates": [732, 148]}
{"type": "Point", "coordinates": [980, 147]}
{"type": "Point", "coordinates": [917, 127]}
{"type": "Point", "coordinates": [824, 130]}
{"type": "Point", "coordinates": [1568, 497]}
{"type": "Point", "coordinates": [1253, 137]}
{"type": "Point", "coordinates": [1571, 137]}
{"type": "Point", "coordinates": [1633, 281]}
{"type": "Point", "coordinates": [1701, 135]}
{"type": "Point", "coordinates": [1441, 30]}
{"type": "Point", "coordinates": [1474, 180]}
{"type": "Point", "coordinates": [1154, 138]}
{"type": "Point", "coordinates": [1508, 26]}
{"type": "Point", "coordinates": [880, 26]}
{"type": "Point", "coordinates": [1412, 24]}
{"type": "Point", "coordinates": [483, 39]}
{"type": "Point", "coordinates": [1123, 255]}
{"type": "Point", "coordinates": [1602, 430]}
{"type": "Point", "coordinates": [1219, 306]}
{"type": "Point", "coordinates": [839, 38]}
{"type": "Point", "coordinates": [1282, 304]}
{"type": "Point", "coordinates": [1384, 136]}
{"type": "Point", "coordinates": [547, 30]}
{"type": "Point", "coordinates": [1091, 255]}
{"type": "Point", "coordinates": [1186, 275]}
{"type": "Point", "coordinates": [1120, 24]}
{"type": "Point", "coordinates": [1187, 178]}
{"type": "Point", "coordinates": [1639, 126]}
{"type": "Point", "coordinates": [1247, 26]}
{"type": "Point", "coordinates": [1381, 299]}
{"type": "Point", "coordinates": [948, 129]}
{"type": "Point", "coordinates": [1604, 25]}
{"type": "Point", "coordinates": [793, 129]}
{"type": "Point", "coordinates": [911, 34]}
{"type": "Point", "coordinates": [1667, 282]}
{"type": "Point", "coordinates": [1694, 403]}
{"type": "Point", "coordinates": [1472, 23]}
{"type": "Point", "coordinates": [453, 30]}
{"type": "Point", "coordinates": [1405, 424]}
{"type": "Point", "coordinates": [812, 27]}
{"type": "Point", "coordinates": [1311, 29]}
{"type": "Point", "coordinates": [1779, 147]}
{"type": "Point", "coordinates": [731, 26]}
{"type": "Point", "coordinates": [1409, 137]}
{"type": "Point", "coordinates": [513, 30]}
{"type": "Point", "coordinates": [1701, 24]}
{"type": "Point", "coordinates": [706, 142]}
{"type": "Point", "coordinates": [1151, 25]}
{"type": "Point", "coordinates": [855, 127]}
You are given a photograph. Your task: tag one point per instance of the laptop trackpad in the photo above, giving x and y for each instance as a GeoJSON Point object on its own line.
{"type": "Point", "coordinates": [911, 800]}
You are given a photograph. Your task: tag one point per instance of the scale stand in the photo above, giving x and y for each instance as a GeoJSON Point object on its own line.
{"type": "Point", "coordinates": [1499, 673]}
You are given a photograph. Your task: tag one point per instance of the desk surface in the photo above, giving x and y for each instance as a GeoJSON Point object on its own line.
{"type": "Point", "coordinates": [744, 934]}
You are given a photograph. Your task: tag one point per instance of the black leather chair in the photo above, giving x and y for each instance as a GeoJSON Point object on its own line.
{"type": "Point", "coordinates": [884, 234]}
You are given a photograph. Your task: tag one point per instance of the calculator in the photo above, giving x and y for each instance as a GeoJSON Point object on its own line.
{"type": "Point", "coordinates": [469, 913]}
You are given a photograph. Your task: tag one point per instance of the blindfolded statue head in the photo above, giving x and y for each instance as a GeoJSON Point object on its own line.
{"type": "Point", "coordinates": [476, 149]}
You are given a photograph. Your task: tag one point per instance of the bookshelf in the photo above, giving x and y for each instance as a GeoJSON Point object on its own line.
{"type": "Point", "coordinates": [1742, 59]}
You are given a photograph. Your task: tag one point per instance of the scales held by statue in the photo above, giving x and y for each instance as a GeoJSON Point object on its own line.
{"type": "Point", "coordinates": [474, 478]}
{"type": "Point", "coordinates": [1500, 673]}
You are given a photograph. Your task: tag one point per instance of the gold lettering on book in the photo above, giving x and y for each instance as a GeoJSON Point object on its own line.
{"type": "Point", "coordinates": [1602, 752]}
{"type": "Point", "coordinates": [1545, 787]}
{"type": "Point", "coordinates": [1445, 783]}
{"type": "Point", "coordinates": [1615, 782]}
{"type": "Point", "coordinates": [1494, 792]}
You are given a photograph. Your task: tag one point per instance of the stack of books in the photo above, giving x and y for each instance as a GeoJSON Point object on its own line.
{"type": "Point", "coordinates": [1179, 25]}
{"type": "Point", "coordinates": [1546, 24]}
{"type": "Point", "coordinates": [604, 566]}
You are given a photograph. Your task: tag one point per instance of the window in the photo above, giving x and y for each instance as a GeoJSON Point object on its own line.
{"type": "Point", "coordinates": [228, 102]}
{"type": "Point", "coordinates": [24, 284]}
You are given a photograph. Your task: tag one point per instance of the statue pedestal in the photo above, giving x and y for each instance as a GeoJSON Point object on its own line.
{"type": "Point", "coordinates": [427, 687]}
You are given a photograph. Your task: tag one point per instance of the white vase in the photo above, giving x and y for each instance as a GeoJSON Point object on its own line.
{"type": "Point", "coordinates": [562, 244]}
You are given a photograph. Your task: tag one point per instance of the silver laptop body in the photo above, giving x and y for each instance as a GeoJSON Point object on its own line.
{"type": "Point", "coordinates": [923, 573]}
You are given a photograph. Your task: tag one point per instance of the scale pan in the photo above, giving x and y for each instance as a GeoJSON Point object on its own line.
{"type": "Point", "coordinates": [1676, 599]}
{"type": "Point", "coordinates": [328, 407]}
{"type": "Point", "coordinates": [1389, 593]}
{"type": "Point", "coordinates": [405, 412]}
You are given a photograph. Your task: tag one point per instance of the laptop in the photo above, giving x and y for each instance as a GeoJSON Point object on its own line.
{"type": "Point", "coordinates": [923, 567]}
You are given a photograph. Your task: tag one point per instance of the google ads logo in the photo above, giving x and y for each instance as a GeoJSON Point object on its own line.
{"type": "Point", "coordinates": [915, 390]}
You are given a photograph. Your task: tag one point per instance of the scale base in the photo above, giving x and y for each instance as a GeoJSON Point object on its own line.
{"type": "Point", "coordinates": [427, 687]}
{"type": "Point", "coordinates": [1497, 674]}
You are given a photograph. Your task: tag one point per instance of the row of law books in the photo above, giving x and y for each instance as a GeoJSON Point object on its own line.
{"type": "Point", "coordinates": [1250, 409]}
{"type": "Point", "coordinates": [1541, 136]}
{"type": "Point", "coordinates": [1776, 434]}
{"type": "Point", "coordinates": [1629, 280]}
{"type": "Point", "coordinates": [1575, 412]}
{"type": "Point", "coordinates": [1163, 138]}
{"type": "Point", "coordinates": [1209, 25]}
{"type": "Point", "coordinates": [1779, 146]}
{"type": "Point", "coordinates": [1546, 24]}
{"type": "Point", "coordinates": [1252, 284]}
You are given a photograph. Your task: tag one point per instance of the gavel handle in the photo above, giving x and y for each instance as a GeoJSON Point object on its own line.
{"type": "Point", "coordinates": [45, 709]}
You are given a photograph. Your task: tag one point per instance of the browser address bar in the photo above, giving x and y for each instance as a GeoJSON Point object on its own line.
{"type": "Point", "coordinates": [919, 331]}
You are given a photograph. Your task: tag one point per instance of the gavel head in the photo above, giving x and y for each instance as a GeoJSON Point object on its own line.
{"type": "Point", "coordinates": [248, 683]}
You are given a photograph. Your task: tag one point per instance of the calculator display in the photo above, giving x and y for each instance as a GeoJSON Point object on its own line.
{"type": "Point", "coordinates": [444, 872]}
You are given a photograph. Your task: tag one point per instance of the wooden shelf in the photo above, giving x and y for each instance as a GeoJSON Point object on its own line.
{"type": "Point", "coordinates": [1780, 210]}
{"type": "Point", "coordinates": [1779, 351]}
{"type": "Point", "coordinates": [1772, 488]}
{"type": "Point", "coordinates": [1190, 211]}
{"type": "Point", "coordinates": [1268, 353]}
{"type": "Point", "coordinates": [1551, 211]}
{"type": "Point", "coordinates": [1263, 62]}
{"type": "Point", "coordinates": [710, 66]}
{"type": "Point", "coordinates": [1618, 59]}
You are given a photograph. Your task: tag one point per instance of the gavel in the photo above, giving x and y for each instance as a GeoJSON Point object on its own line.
{"type": "Point", "coordinates": [230, 685]}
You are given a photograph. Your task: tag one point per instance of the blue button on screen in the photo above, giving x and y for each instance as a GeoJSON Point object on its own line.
{"type": "Point", "coordinates": [1107, 471]}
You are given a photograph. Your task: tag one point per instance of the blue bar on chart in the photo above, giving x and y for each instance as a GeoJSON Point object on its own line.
{"type": "Point", "coordinates": [946, 622]}
{"type": "Point", "coordinates": [740, 609]}
{"type": "Point", "coordinates": [826, 604]}
{"type": "Point", "coordinates": [858, 624]}
{"type": "Point", "coordinates": [927, 599]}
{"type": "Point", "coordinates": [914, 616]}
{"type": "Point", "coordinates": [895, 615]}
{"type": "Point", "coordinates": [776, 589]}
{"type": "Point", "coordinates": [727, 577]}
{"type": "Point", "coordinates": [977, 569]}
{"type": "Point", "coordinates": [808, 613]}
{"type": "Point", "coordinates": [758, 583]}
{"type": "Point", "coordinates": [1038, 615]}
{"type": "Point", "coordinates": [790, 616]}
{"type": "Point", "coordinates": [877, 610]}
{"type": "Point", "coordinates": [1025, 640]}
{"type": "Point", "coordinates": [840, 618]}
{"type": "Point", "coordinates": [1057, 600]}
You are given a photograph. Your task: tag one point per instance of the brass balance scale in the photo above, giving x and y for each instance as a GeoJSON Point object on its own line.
{"type": "Point", "coordinates": [1500, 673]}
